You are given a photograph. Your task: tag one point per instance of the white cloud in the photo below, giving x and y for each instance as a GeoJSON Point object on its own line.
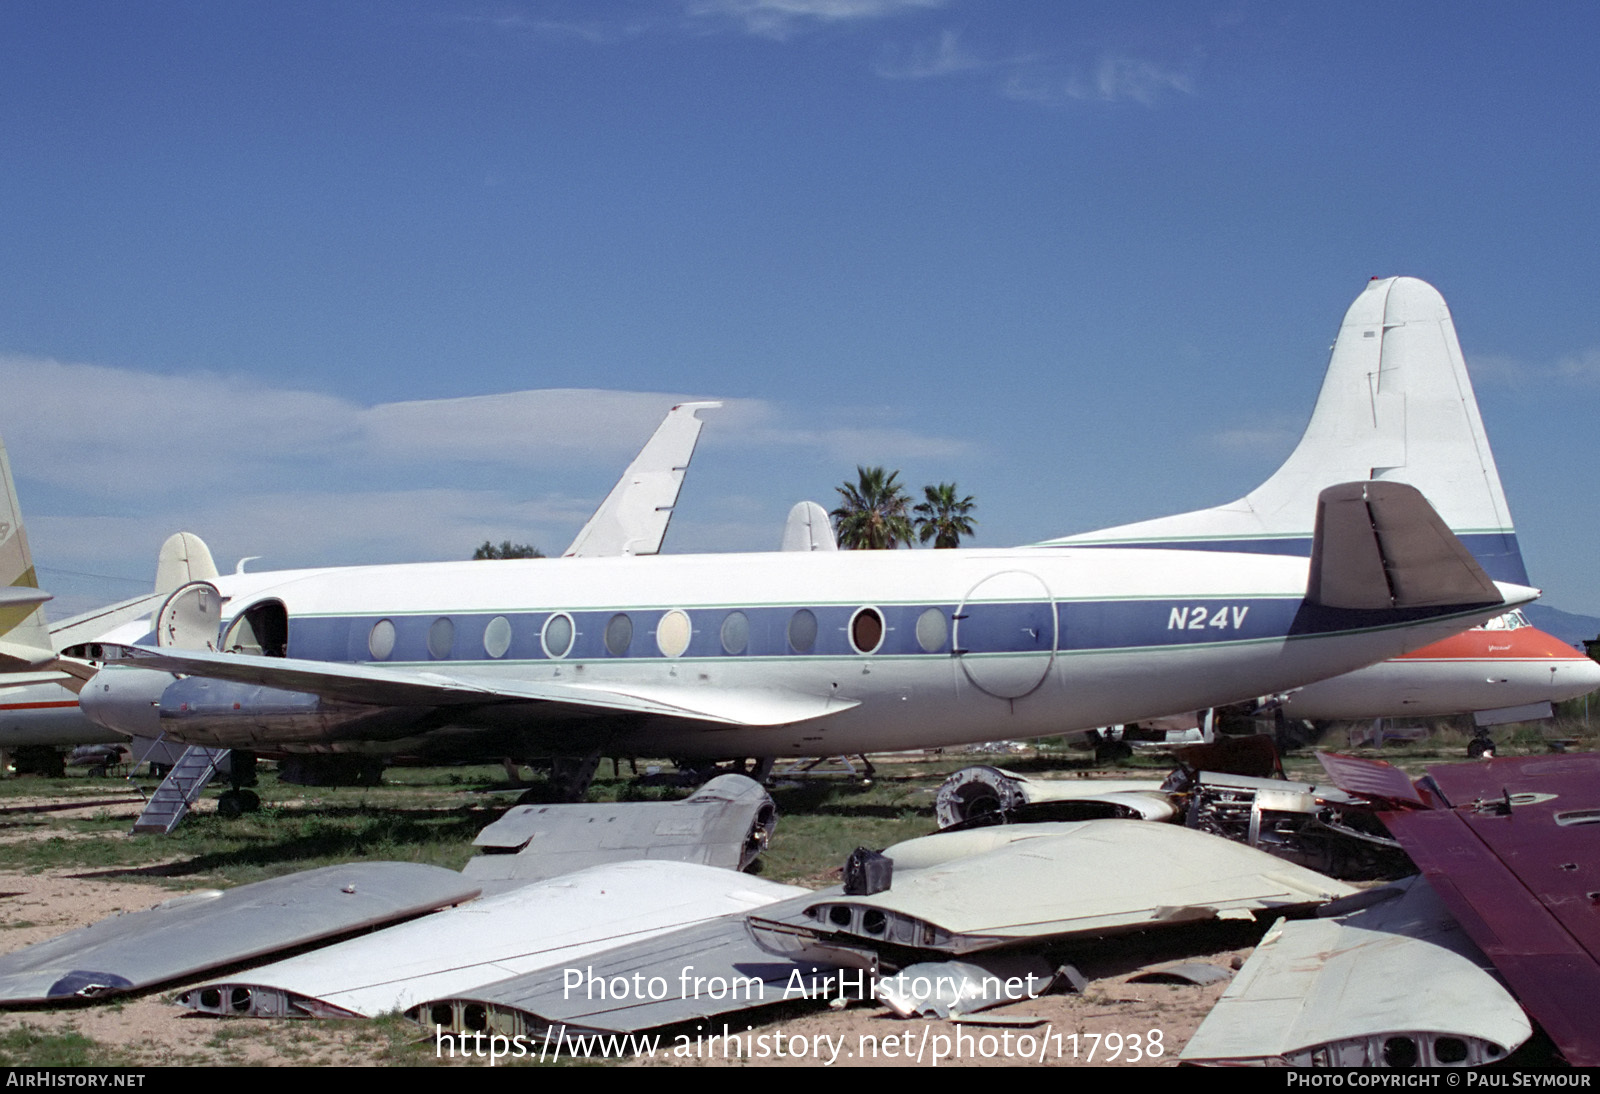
{"type": "Point", "coordinates": [1112, 78]}
{"type": "Point", "coordinates": [305, 478]}
{"type": "Point", "coordinates": [781, 19]}
{"type": "Point", "coordinates": [943, 56]}
{"type": "Point", "coordinates": [1583, 366]}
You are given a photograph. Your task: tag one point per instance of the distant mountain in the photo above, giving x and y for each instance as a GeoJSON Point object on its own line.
{"type": "Point", "coordinates": [1567, 626]}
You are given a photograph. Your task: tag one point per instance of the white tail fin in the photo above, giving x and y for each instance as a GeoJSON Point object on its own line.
{"type": "Point", "coordinates": [24, 635]}
{"type": "Point", "coordinates": [808, 529]}
{"type": "Point", "coordinates": [184, 558]}
{"type": "Point", "coordinates": [633, 519]}
{"type": "Point", "coordinates": [1396, 406]}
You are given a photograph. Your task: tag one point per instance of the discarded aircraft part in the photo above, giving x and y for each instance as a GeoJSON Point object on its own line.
{"type": "Point", "coordinates": [992, 795]}
{"type": "Point", "coordinates": [633, 518]}
{"type": "Point", "coordinates": [808, 529]}
{"type": "Point", "coordinates": [550, 924]}
{"type": "Point", "coordinates": [950, 989]}
{"type": "Point", "coordinates": [1513, 847]}
{"type": "Point", "coordinates": [1398, 984]}
{"type": "Point", "coordinates": [207, 929]}
{"type": "Point", "coordinates": [961, 843]}
{"type": "Point", "coordinates": [1317, 827]}
{"type": "Point", "coordinates": [867, 872]}
{"type": "Point", "coordinates": [1197, 973]}
{"type": "Point", "coordinates": [728, 822]}
{"type": "Point", "coordinates": [1073, 881]}
{"type": "Point", "coordinates": [700, 971]}
{"type": "Point", "coordinates": [1373, 780]}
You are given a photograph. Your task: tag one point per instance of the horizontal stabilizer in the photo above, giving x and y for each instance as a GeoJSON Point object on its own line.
{"type": "Point", "coordinates": [353, 683]}
{"type": "Point", "coordinates": [1380, 545]}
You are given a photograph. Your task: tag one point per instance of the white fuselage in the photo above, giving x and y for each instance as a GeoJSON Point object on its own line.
{"type": "Point", "coordinates": [905, 649]}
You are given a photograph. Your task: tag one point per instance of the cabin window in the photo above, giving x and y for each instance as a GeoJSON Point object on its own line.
{"type": "Point", "coordinates": [802, 631]}
{"type": "Point", "coordinates": [497, 636]}
{"type": "Point", "coordinates": [932, 630]}
{"type": "Point", "coordinates": [441, 638]}
{"type": "Point", "coordinates": [619, 634]}
{"type": "Point", "coordinates": [735, 633]}
{"type": "Point", "coordinates": [866, 630]}
{"type": "Point", "coordinates": [672, 633]}
{"type": "Point", "coordinates": [380, 641]}
{"type": "Point", "coordinates": [557, 635]}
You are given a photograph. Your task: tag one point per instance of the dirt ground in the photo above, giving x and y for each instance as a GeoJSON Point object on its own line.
{"type": "Point", "coordinates": [1112, 1022]}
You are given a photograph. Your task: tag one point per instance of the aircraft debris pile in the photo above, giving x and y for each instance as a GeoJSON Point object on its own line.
{"type": "Point", "coordinates": [728, 822]}
{"type": "Point", "coordinates": [1320, 827]}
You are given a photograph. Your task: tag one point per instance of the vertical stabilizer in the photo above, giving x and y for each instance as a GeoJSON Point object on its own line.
{"type": "Point", "coordinates": [1396, 406]}
{"type": "Point", "coordinates": [633, 519]}
{"type": "Point", "coordinates": [184, 558]}
{"type": "Point", "coordinates": [24, 635]}
{"type": "Point", "coordinates": [808, 529]}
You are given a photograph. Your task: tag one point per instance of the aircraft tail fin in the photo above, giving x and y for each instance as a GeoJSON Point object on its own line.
{"type": "Point", "coordinates": [24, 634]}
{"type": "Point", "coordinates": [184, 558]}
{"type": "Point", "coordinates": [808, 529]}
{"type": "Point", "coordinates": [1396, 406]}
{"type": "Point", "coordinates": [634, 517]}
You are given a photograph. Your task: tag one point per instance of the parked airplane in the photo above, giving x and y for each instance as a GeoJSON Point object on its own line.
{"type": "Point", "coordinates": [1396, 406]}
{"type": "Point", "coordinates": [39, 710]}
{"type": "Point", "coordinates": [795, 653]}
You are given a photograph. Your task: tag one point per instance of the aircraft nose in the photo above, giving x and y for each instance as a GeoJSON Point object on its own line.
{"type": "Point", "coordinates": [1579, 676]}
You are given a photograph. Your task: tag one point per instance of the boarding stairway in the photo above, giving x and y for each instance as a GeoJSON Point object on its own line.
{"type": "Point", "coordinates": [180, 789]}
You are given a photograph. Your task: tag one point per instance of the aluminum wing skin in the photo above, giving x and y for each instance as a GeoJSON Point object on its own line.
{"type": "Point", "coordinates": [554, 924]}
{"type": "Point", "coordinates": [211, 928]}
{"type": "Point", "coordinates": [710, 968]}
{"type": "Point", "coordinates": [1513, 848]}
{"type": "Point", "coordinates": [1070, 879]}
{"type": "Point", "coordinates": [1394, 982]}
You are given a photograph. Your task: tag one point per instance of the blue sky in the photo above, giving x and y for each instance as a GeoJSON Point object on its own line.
{"type": "Point", "coordinates": [283, 273]}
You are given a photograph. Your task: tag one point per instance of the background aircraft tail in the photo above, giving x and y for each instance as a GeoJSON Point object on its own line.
{"type": "Point", "coordinates": [24, 635]}
{"type": "Point", "coordinates": [1396, 406]}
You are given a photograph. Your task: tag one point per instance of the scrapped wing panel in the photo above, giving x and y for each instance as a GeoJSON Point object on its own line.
{"type": "Point", "coordinates": [550, 924]}
{"type": "Point", "coordinates": [708, 969]}
{"type": "Point", "coordinates": [1071, 881]}
{"type": "Point", "coordinates": [1393, 983]}
{"type": "Point", "coordinates": [204, 930]}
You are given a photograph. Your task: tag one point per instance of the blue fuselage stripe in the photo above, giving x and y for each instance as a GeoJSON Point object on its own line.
{"type": "Point", "coordinates": [986, 628]}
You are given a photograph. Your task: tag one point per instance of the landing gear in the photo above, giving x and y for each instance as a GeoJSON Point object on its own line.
{"type": "Point", "coordinates": [232, 804]}
{"type": "Point", "coordinates": [1108, 749]}
{"type": "Point", "coordinates": [237, 801]}
{"type": "Point", "coordinates": [1480, 747]}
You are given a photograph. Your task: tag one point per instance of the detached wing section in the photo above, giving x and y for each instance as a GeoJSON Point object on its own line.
{"type": "Point", "coordinates": [393, 687]}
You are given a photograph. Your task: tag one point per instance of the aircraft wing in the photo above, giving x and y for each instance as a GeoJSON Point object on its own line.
{"type": "Point", "coordinates": [1510, 845]}
{"type": "Point", "coordinates": [633, 519]}
{"type": "Point", "coordinates": [384, 686]}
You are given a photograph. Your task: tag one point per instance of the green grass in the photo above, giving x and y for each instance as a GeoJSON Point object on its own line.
{"type": "Point", "coordinates": [30, 1046]}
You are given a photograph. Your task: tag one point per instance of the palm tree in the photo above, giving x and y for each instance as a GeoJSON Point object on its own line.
{"type": "Point", "coordinates": [876, 511]}
{"type": "Point", "coordinates": [943, 518]}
